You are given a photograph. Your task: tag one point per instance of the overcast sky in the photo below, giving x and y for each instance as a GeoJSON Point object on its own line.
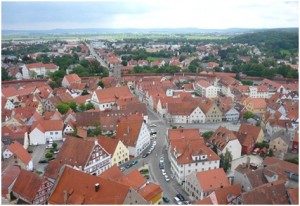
{"type": "Point", "coordinates": [205, 14]}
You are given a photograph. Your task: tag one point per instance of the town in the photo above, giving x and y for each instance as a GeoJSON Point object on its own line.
{"type": "Point", "coordinates": [151, 121]}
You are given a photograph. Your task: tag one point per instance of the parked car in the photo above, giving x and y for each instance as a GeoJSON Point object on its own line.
{"type": "Point", "coordinates": [56, 152]}
{"type": "Point", "coordinates": [49, 146]}
{"type": "Point", "coordinates": [177, 200]}
{"type": "Point", "coordinates": [152, 125]}
{"type": "Point", "coordinates": [165, 199]}
{"type": "Point", "coordinates": [163, 173]}
{"type": "Point", "coordinates": [180, 197]}
{"type": "Point", "coordinates": [167, 178]}
{"type": "Point", "coordinates": [122, 169]}
{"type": "Point", "coordinates": [128, 166]}
{"type": "Point", "coordinates": [43, 161]}
{"type": "Point", "coordinates": [149, 152]}
{"type": "Point", "coordinates": [187, 202]}
{"type": "Point", "coordinates": [145, 155]}
{"type": "Point", "coordinates": [134, 162]}
{"type": "Point", "coordinates": [29, 151]}
{"type": "Point", "coordinates": [154, 143]}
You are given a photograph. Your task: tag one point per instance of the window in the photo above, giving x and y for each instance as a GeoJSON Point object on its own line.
{"type": "Point", "coordinates": [56, 132]}
{"type": "Point", "coordinates": [51, 133]}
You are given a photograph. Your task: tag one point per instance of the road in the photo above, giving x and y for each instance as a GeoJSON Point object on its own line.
{"type": "Point", "coordinates": [170, 189]}
{"type": "Point", "coordinates": [93, 53]}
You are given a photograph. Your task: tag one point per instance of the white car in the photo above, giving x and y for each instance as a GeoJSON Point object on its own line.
{"type": "Point", "coordinates": [152, 125]}
{"type": "Point", "coordinates": [49, 146]}
{"type": "Point", "coordinates": [163, 172]}
{"type": "Point", "coordinates": [154, 143]}
{"type": "Point", "coordinates": [167, 178]}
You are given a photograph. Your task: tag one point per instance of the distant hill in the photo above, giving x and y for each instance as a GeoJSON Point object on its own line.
{"type": "Point", "coordinates": [133, 30]}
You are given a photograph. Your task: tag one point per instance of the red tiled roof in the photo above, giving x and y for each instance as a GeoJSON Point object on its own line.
{"type": "Point", "coordinates": [294, 195]}
{"type": "Point", "coordinates": [150, 191]}
{"type": "Point", "coordinates": [82, 191]}
{"type": "Point", "coordinates": [17, 149]}
{"type": "Point", "coordinates": [81, 132]}
{"type": "Point", "coordinates": [112, 94]}
{"type": "Point", "coordinates": [183, 133]}
{"type": "Point", "coordinates": [134, 179]}
{"type": "Point", "coordinates": [221, 137]}
{"type": "Point", "coordinates": [114, 173]}
{"type": "Point", "coordinates": [9, 175]}
{"type": "Point", "coordinates": [287, 166]}
{"type": "Point", "coordinates": [40, 64]}
{"type": "Point", "coordinates": [109, 144]}
{"type": "Point", "coordinates": [203, 83]}
{"type": "Point", "coordinates": [48, 125]}
{"type": "Point", "coordinates": [129, 128]}
{"type": "Point", "coordinates": [212, 179]}
{"type": "Point", "coordinates": [26, 179]}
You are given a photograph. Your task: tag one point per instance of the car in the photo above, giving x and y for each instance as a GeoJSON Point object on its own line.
{"type": "Point", "coordinates": [122, 169]}
{"type": "Point", "coordinates": [43, 161]}
{"type": "Point", "coordinates": [56, 152]}
{"type": "Point", "coordinates": [167, 178]}
{"type": "Point", "coordinates": [180, 197]}
{"type": "Point", "coordinates": [177, 200]}
{"type": "Point", "coordinates": [145, 155]}
{"type": "Point", "coordinates": [187, 202]}
{"type": "Point", "coordinates": [166, 199]}
{"type": "Point", "coordinates": [134, 162]}
{"type": "Point", "coordinates": [163, 173]}
{"type": "Point", "coordinates": [153, 135]}
{"type": "Point", "coordinates": [29, 151]}
{"type": "Point", "coordinates": [128, 166]}
{"type": "Point", "coordinates": [152, 130]}
{"type": "Point", "coordinates": [161, 166]}
{"type": "Point", "coordinates": [149, 152]}
{"type": "Point", "coordinates": [154, 143]}
{"type": "Point", "coordinates": [152, 125]}
{"type": "Point", "coordinates": [161, 158]}
{"type": "Point", "coordinates": [147, 177]}
{"type": "Point", "coordinates": [49, 146]}
{"type": "Point", "coordinates": [52, 158]}
{"type": "Point", "coordinates": [161, 161]}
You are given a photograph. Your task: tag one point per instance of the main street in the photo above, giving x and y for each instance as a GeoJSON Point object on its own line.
{"type": "Point", "coordinates": [101, 61]}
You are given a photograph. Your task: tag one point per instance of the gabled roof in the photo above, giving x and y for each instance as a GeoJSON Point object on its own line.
{"type": "Point", "coordinates": [82, 191]}
{"type": "Point", "coordinates": [82, 99]}
{"type": "Point", "coordinates": [204, 83]}
{"type": "Point", "coordinates": [9, 92]}
{"type": "Point", "coordinates": [212, 179]}
{"type": "Point", "coordinates": [134, 179]}
{"type": "Point", "coordinates": [267, 194]}
{"type": "Point", "coordinates": [221, 137]}
{"type": "Point", "coordinates": [129, 128]}
{"type": "Point", "coordinates": [109, 144]}
{"type": "Point", "coordinates": [257, 103]}
{"type": "Point", "coordinates": [40, 64]}
{"type": "Point", "coordinates": [112, 94]}
{"type": "Point", "coordinates": [8, 176]}
{"type": "Point", "coordinates": [23, 181]}
{"type": "Point", "coordinates": [17, 149]}
{"type": "Point", "coordinates": [72, 78]}
{"type": "Point", "coordinates": [114, 173]}
{"type": "Point", "coordinates": [183, 133]}
{"type": "Point", "coordinates": [287, 166]}
{"type": "Point", "coordinates": [81, 132]}
{"type": "Point", "coordinates": [150, 191]}
{"type": "Point", "coordinates": [293, 194]}
{"type": "Point", "coordinates": [248, 134]}
{"type": "Point", "coordinates": [226, 193]}
{"type": "Point", "coordinates": [48, 125]}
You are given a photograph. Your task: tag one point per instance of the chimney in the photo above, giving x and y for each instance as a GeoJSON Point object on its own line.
{"type": "Point", "coordinates": [248, 162]}
{"type": "Point", "coordinates": [97, 187]}
{"type": "Point", "coordinates": [65, 197]}
{"type": "Point", "coordinates": [96, 141]}
{"type": "Point", "coordinates": [128, 129]}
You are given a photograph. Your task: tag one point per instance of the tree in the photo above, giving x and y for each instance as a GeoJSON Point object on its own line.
{"type": "Point", "coordinates": [32, 74]}
{"type": "Point", "coordinates": [54, 145]}
{"type": "Point", "coordinates": [248, 115]}
{"type": "Point", "coordinates": [63, 108]}
{"type": "Point", "coordinates": [4, 75]}
{"type": "Point", "coordinates": [89, 106]}
{"type": "Point", "coordinates": [225, 161]}
{"type": "Point", "coordinates": [73, 106]}
{"type": "Point", "coordinates": [49, 155]}
{"type": "Point", "coordinates": [84, 92]}
{"type": "Point", "coordinates": [101, 84]}
{"type": "Point", "coordinates": [82, 107]}
{"type": "Point", "coordinates": [124, 63]}
{"type": "Point", "coordinates": [271, 153]}
{"type": "Point", "coordinates": [207, 134]}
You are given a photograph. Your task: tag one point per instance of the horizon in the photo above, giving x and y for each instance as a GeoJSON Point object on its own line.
{"type": "Point", "coordinates": [145, 14]}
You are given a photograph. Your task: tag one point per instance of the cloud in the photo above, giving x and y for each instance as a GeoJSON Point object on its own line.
{"type": "Point", "coordinates": [150, 14]}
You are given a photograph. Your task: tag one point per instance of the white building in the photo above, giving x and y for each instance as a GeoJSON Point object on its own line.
{"type": "Point", "coordinates": [44, 130]}
{"type": "Point", "coordinates": [226, 140]}
{"type": "Point", "coordinates": [38, 69]}
{"type": "Point", "coordinates": [259, 92]}
{"type": "Point", "coordinates": [133, 132]}
{"type": "Point", "coordinates": [206, 89]}
{"type": "Point", "coordinates": [232, 115]}
{"type": "Point", "coordinates": [106, 98]}
{"type": "Point", "coordinates": [185, 113]}
{"type": "Point", "coordinates": [188, 153]}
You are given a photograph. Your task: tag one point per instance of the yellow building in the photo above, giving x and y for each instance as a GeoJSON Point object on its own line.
{"type": "Point", "coordinates": [119, 152]}
{"type": "Point", "coordinates": [255, 105]}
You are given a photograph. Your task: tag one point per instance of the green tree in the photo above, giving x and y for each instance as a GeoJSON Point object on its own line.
{"type": "Point", "coordinates": [49, 155]}
{"type": "Point", "coordinates": [89, 106]}
{"type": "Point", "coordinates": [248, 115]}
{"type": "Point", "coordinates": [73, 106]}
{"type": "Point", "coordinates": [124, 63]}
{"type": "Point", "coordinates": [63, 108]}
{"type": "Point", "coordinates": [207, 134]}
{"type": "Point", "coordinates": [84, 92]}
{"type": "Point", "coordinates": [82, 107]}
{"type": "Point", "coordinates": [101, 84]}
{"type": "Point", "coordinates": [271, 153]}
{"type": "Point", "coordinates": [225, 161]}
{"type": "Point", "coordinates": [4, 75]}
{"type": "Point", "coordinates": [54, 145]}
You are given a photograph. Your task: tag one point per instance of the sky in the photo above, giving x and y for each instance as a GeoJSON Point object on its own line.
{"type": "Point", "coordinates": [203, 14]}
